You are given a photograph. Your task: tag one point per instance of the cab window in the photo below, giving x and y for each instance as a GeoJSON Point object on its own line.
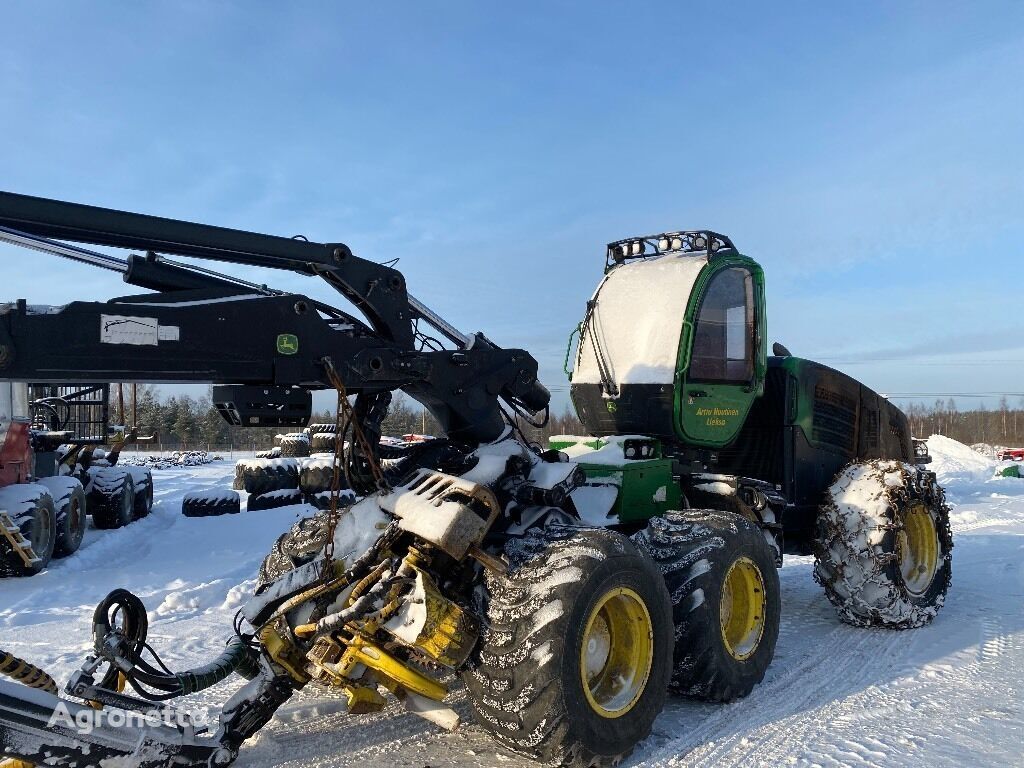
{"type": "Point", "coordinates": [723, 340]}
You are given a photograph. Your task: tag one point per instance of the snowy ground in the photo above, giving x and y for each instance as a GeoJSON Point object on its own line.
{"type": "Point", "coordinates": [949, 694]}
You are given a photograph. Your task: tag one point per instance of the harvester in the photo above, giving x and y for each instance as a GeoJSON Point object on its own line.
{"type": "Point", "coordinates": [53, 476]}
{"type": "Point", "coordinates": [570, 588]}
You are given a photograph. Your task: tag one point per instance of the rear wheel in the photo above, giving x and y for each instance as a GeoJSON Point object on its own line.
{"type": "Point", "coordinates": [144, 496]}
{"type": "Point", "coordinates": [574, 665]}
{"type": "Point", "coordinates": [884, 545]}
{"type": "Point", "coordinates": [37, 521]}
{"type": "Point", "coordinates": [70, 513]}
{"type": "Point", "coordinates": [720, 572]}
{"type": "Point", "coordinates": [112, 500]}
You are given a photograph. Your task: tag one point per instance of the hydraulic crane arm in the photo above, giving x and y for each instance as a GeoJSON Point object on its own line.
{"type": "Point", "coordinates": [200, 326]}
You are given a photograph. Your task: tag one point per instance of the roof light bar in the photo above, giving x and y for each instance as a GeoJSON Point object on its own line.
{"type": "Point", "coordinates": [691, 241]}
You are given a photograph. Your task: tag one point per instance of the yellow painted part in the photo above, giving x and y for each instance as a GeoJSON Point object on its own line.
{"type": "Point", "coordinates": [742, 608]}
{"type": "Point", "coordinates": [361, 651]}
{"type": "Point", "coordinates": [17, 542]}
{"type": "Point", "coordinates": [448, 634]}
{"type": "Point", "coordinates": [362, 700]}
{"type": "Point", "coordinates": [917, 548]}
{"type": "Point", "coordinates": [15, 764]}
{"type": "Point", "coordinates": [616, 652]}
{"type": "Point", "coordinates": [284, 654]}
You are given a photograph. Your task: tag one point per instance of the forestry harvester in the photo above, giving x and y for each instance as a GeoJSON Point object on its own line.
{"type": "Point", "coordinates": [569, 588]}
{"type": "Point", "coordinates": [52, 477]}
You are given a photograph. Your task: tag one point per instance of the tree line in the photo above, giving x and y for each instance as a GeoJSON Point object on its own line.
{"type": "Point", "coordinates": [183, 422]}
{"type": "Point", "coordinates": [1003, 425]}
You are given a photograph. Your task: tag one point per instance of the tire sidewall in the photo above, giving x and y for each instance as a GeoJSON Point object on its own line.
{"type": "Point", "coordinates": [899, 506]}
{"type": "Point", "coordinates": [125, 502]}
{"type": "Point", "coordinates": [71, 522]}
{"type": "Point", "coordinates": [741, 674]}
{"type": "Point", "coordinates": [604, 735]}
{"type": "Point", "coordinates": [42, 514]}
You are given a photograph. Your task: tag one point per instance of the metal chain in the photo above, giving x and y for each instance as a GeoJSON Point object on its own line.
{"type": "Point", "coordinates": [344, 416]}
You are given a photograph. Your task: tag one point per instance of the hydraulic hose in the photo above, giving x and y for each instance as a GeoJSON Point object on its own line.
{"type": "Point", "coordinates": [236, 657]}
{"type": "Point", "coordinates": [125, 656]}
{"type": "Point", "coordinates": [25, 673]}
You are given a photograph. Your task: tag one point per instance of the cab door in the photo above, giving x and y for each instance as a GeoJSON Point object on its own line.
{"type": "Point", "coordinates": [723, 357]}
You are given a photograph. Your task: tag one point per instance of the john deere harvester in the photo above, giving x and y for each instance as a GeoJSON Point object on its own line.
{"type": "Point", "coordinates": [569, 589]}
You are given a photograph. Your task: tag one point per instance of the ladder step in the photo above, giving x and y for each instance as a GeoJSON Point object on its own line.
{"type": "Point", "coordinates": [18, 542]}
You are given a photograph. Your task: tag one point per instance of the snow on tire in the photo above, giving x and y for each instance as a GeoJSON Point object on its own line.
{"type": "Point", "coordinates": [266, 475]}
{"type": "Point", "coordinates": [322, 442]}
{"type": "Point", "coordinates": [295, 444]}
{"type": "Point", "coordinates": [112, 497]}
{"type": "Point", "coordinates": [210, 503]}
{"type": "Point", "coordinates": [573, 666]}
{"type": "Point", "coordinates": [70, 512]}
{"type": "Point", "coordinates": [883, 545]}
{"type": "Point", "coordinates": [317, 475]}
{"type": "Point", "coordinates": [322, 429]}
{"type": "Point", "coordinates": [720, 573]}
{"type": "Point", "coordinates": [30, 508]}
{"type": "Point", "coordinates": [274, 499]}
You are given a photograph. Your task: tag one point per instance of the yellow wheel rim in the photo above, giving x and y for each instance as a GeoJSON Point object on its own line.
{"type": "Point", "coordinates": [616, 652]}
{"type": "Point", "coordinates": [917, 548]}
{"type": "Point", "coordinates": [742, 608]}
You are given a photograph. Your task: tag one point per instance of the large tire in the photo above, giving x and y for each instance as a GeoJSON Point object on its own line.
{"type": "Point", "coordinates": [70, 511]}
{"type": "Point", "coordinates": [883, 545]}
{"type": "Point", "coordinates": [112, 499]}
{"type": "Point", "coordinates": [274, 499]}
{"type": "Point", "coordinates": [322, 429]}
{"type": "Point", "coordinates": [295, 445]}
{"type": "Point", "coordinates": [721, 575]}
{"type": "Point", "coordinates": [30, 508]}
{"type": "Point", "coordinates": [210, 504]}
{"type": "Point", "coordinates": [574, 665]}
{"type": "Point", "coordinates": [266, 475]}
{"type": "Point", "coordinates": [143, 479]}
{"type": "Point", "coordinates": [322, 442]}
{"type": "Point", "coordinates": [317, 475]}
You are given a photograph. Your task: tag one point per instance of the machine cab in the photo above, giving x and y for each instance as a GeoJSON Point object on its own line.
{"type": "Point", "coordinates": [672, 343]}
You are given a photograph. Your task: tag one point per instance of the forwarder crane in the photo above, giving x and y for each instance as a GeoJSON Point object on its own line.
{"type": "Point", "coordinates": [570, 595]}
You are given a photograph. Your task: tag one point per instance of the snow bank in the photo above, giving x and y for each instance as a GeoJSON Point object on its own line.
{"type": "Point", "coordinates": [955, 463]}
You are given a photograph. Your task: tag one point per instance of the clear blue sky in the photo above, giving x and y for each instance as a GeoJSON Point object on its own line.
{"type": "Point", "coordinates": [870, 155]}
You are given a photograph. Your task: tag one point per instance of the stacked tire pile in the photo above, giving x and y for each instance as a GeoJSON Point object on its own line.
{"type": "Point", "coordinates": [298, 470]}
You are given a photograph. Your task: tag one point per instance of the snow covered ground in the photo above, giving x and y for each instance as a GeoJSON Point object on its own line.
{"type": "Point", "coordinates": [951, 693]}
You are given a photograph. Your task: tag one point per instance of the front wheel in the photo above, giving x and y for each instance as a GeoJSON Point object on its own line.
{"type": "Point", "coordinates": [726, 604]}
{"type": "Point", "coordinates": [574, 665]}
{"type": "Point", "coordinates": [883, 547]}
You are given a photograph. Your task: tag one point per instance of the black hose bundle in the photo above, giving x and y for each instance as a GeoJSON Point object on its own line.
{"type": "Point", "coordinates": [122, 644]}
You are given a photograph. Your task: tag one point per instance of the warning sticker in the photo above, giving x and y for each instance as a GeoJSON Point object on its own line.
{"type": "Point", "coordinates": [119, 329]}
{"type": "Point", "coordinates": [168, 333]}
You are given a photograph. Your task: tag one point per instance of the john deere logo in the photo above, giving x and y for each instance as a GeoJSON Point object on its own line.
{"type": "Point", "coordinates": [287, 344]}
{"type": "Point", "coordinates": [612, 406]}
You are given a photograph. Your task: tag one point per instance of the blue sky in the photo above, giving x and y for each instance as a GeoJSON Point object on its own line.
{"type": "Point", "coordinates": [869, 155]}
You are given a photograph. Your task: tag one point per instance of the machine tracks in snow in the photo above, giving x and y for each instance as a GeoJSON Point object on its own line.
{"type": "Point", "coordinates": [785, 710]}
